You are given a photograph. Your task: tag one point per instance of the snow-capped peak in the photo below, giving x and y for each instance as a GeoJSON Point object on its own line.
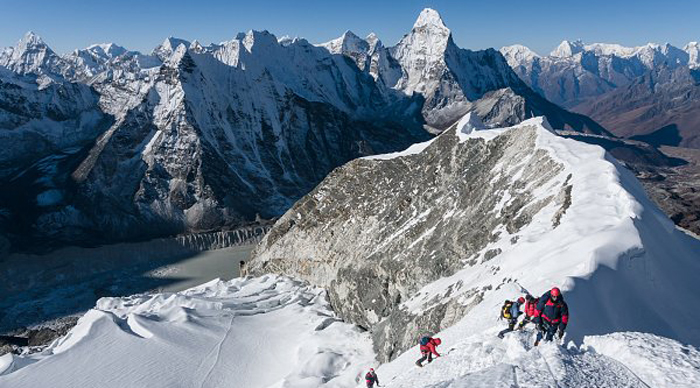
{"type": "Point", "coordinates": [259, 39]}
{"type": "Point", "coordinates": [347, 43]}
{"type": "Point", "coordinates": [196, 46]}
{"type": "Point", "coordinates": [30, 39]}
{"type": "Point", "coordinates": [567, 49]}
{"type": "Point", "coordinates": [168, 47]}
{"type": "Point", "coordinates": [693, 50]}
{"type": "Point", "coordinates": [30, 55]}
{"type": "Point", "coordinates": [286, 40]}
{"type": "Point", "coordinates": [611, 49]}
{"type": "Point", "coordinates": [430, 18]}
{"type": "Point", "coordinates": [374, 42]}
{"type": "Point", "coordinates": [106, 50]}
{"type": "Point", "coordinates": [517, 54]}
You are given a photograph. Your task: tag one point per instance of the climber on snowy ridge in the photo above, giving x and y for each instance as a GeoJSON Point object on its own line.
{"type": "Point", "coordinates": [530, 310]}
{"type": "Point", "coordinates": [427, 349]}
{"type": "Point", "coordinates": [552, 314]}
{"type": "Point", "coordinates": [510, 311]}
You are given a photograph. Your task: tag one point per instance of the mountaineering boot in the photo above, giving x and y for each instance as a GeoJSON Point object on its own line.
{"type": "Point", "coordinates": [419, 364]}
{"type": "Point", "coordinates": [500, 335]}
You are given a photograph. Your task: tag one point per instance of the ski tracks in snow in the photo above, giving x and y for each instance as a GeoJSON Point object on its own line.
{"type": "Point", "coordinates": [217, 350]}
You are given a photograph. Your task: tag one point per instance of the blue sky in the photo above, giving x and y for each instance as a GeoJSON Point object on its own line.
{"type": "Point", "coordinates": [539, 24]}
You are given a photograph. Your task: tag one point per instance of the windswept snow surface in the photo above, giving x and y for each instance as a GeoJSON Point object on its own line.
{"type": "Point", "coordinates": [632, 360]}
{"type": "Point", "coordinates": [262, 332]}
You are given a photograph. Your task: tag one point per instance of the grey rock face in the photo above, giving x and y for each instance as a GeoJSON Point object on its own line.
{"type": "Point", "coordinates": [369, 232]}
{"type": "Point", "coordinates": [36, 122]}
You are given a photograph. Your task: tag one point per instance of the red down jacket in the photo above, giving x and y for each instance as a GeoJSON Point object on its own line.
{"type": "Point", "coordinates": [430, 346]}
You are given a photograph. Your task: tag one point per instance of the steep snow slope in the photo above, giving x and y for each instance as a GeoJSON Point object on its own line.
{"type": "Point", "coordinates": [472, 360]}
{"type": "Point", "coordinates": [275, 332]}
{"type": "Point", "coordinates": [263, 332]}
{"type": "Point", "coordinates": [412, 243]}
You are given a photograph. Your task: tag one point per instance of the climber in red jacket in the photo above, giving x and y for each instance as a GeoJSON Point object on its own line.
{"type": "Point", "coordinates": [427, 349]}
{"type": "Point", "coordinates": [552, 315]}
{"type": "Point", "coordinates": [530, 310]}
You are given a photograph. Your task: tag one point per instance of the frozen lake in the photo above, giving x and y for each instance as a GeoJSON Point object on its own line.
{"type": "Point", "coordinates": [38, 289]}
{"type": "Point", "coordinates": [205, 266]}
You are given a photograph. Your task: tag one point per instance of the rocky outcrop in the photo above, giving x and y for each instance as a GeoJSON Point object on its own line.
{"type": "Point", "coordinates": [377, 230]}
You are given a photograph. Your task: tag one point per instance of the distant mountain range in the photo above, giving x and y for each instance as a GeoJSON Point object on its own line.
{"type": "Point", "coordinates": [109, 144]}
{"type": "Point", "coordinates": [650, 91]}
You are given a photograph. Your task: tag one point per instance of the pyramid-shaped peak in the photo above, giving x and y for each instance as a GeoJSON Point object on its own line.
{"type": "Point", "coordinates": [172, 43]}
{"type": "Point", "coordinates": [351, 35]}
{"type": "Point", "coordinates": [373, 40]}
{"type": "Point", "coordinates": [429, 18]}
{"type": "Point", "coordinates": [30, 39]}
{"type": "Point", "coordinates": [567, 48]}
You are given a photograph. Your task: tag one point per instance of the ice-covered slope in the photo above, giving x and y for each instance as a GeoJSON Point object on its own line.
{"type": "Point", "coordinates": [412, 243]}
{"type": "Point", "coordinates": [264, 332]}
{"type": "Point", "coordinates": [633, 360]}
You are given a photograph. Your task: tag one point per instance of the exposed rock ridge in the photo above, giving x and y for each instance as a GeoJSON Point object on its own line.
{"type": "Point", "coordinates": [375, 231]}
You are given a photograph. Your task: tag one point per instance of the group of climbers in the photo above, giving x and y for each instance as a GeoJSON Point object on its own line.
{"type": "Point", "coordinates": [549, 313]}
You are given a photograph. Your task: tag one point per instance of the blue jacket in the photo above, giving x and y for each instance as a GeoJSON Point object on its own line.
{"type": "Point", "coordinates": [556, 313]}
{"type": "Point", "coordinates": [515, 310]}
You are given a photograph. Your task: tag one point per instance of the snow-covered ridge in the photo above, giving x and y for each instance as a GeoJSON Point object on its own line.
{"type": "Point", "coordinates": [551, 212]}
{"type": "Point", "coordinates": [263, 332]}
{"type": "Point", "coordinates": [469, 359]}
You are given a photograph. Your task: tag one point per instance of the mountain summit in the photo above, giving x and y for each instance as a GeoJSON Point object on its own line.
{"type": "Point", "coordinates": [430, 19]}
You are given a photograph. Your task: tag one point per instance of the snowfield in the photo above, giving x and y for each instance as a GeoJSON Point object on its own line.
{"type": "Point", "coordinates": [260, 332]}
{"type": "Point", "coordinates": [275, 332]}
